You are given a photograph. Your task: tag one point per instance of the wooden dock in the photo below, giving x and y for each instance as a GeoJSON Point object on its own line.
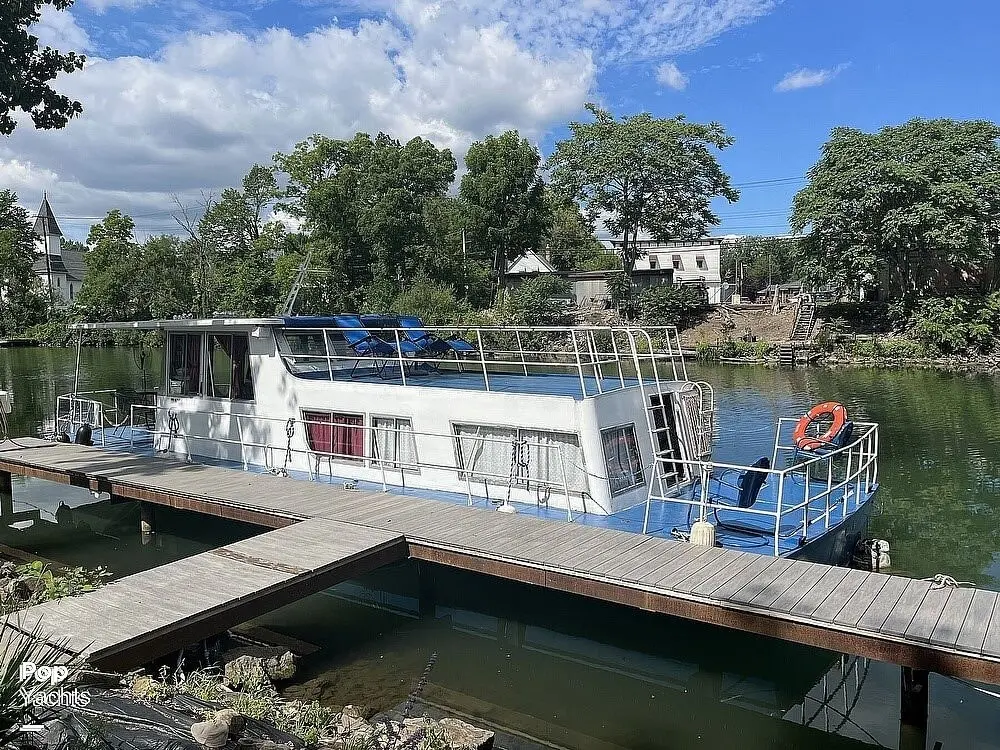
{"type": "Point", "coordinates": [156, 612]}
{"type": "Point", "coordinates": [953, 631]}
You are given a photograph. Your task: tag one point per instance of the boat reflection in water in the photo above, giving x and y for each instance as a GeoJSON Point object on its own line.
{"type": "Point", "coordinates": [563, 671]}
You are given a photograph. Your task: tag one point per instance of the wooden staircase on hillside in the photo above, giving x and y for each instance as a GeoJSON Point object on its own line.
{"type": "Point", "coordinates": [805, 318]}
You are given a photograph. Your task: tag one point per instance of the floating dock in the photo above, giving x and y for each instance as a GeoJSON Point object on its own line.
{"type": "Point", "coordinates": [156, 612]}
{"type": "Point", "coordinates": [949, 630]}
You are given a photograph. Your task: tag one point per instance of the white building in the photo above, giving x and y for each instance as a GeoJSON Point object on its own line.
{"type": "Point", "coordinates": [692, 261]}
{"type": "Point", "coordinates": [61, 270]}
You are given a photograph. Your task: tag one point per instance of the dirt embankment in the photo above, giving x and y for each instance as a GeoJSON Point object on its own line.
{"type": "Point", "coordinates": [763, 325]}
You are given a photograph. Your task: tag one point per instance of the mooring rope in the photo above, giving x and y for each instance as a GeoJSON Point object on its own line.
{"type": "Point", "coordinates": [941, 580]}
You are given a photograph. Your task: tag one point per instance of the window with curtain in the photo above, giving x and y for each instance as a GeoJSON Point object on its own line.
{"type": "Point", "coordinates": [622, 458]}
{"type": "Point", "coordinates": [337, 435]}
{"type": "Point", "coordinates": [229, 374]}
{"type": "Point", "coordinates": [488, 450]}
{"type": "Point", "coordinates": [184, 364]}
{"type": "Point", "coordinates": [393, 443]}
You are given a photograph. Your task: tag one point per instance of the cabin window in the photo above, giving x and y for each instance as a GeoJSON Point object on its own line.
{"type": "Point", "coordinates": [308, 350]}
{"type": "Point", "coordinates": [678, 266]}
{"type": "Point", "coordinates": [700, 261]}
{"type": "Point", "coordinates": [393, 443]}
{"type": "Point", "coordinates": [622, 459]}
{"type": "Point", "coordinates": [653, 263]}
{"type": "Point", "coordinates": [184, 361]}
{"type": "Point", "coordinates": [486, 452]}
{"type": "Point", "coordinates": [229, 371]}
{"type": "Point", "coordinates": [334, 434]}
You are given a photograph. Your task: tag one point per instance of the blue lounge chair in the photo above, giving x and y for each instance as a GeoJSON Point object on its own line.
{"type": "Point", "coordinates": [417, 334]}
{"type": "Point", "coordinates": [369, 346]}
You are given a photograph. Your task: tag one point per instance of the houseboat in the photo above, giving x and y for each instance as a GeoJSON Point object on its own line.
{"type": "Point", "coordinates": [596, 425]}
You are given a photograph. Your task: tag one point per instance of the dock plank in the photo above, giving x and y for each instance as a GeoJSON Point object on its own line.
{"type": "Point", "coordinates": [909, 603]}
{"type": "Point", "coordinates": [882, 606]}
{"type": "Point", "coordinates": [952, 618]}
{"type": "Point", "coordinates": [977, 621]}
{"type": "Point", "coordinates": [794, 593]}
{"type": "Point", "coordinates": [840, 595]}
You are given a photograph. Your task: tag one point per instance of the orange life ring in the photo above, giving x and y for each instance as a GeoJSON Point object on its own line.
{"type": "Point", "coordinates": [836, 412]}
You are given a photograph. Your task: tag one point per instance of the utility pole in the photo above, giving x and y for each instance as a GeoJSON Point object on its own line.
{"type": "Point", "coordinates": [465, 266]}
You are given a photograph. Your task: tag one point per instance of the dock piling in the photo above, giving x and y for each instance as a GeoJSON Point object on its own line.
{"type": "Point", "coordinates": [913, 697]}
{"type": "Point", "coordinates": [146, 525]}
{"type": "Point", "coordinates": [6, 494]}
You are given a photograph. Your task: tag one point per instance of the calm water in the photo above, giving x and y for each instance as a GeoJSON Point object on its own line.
{"type": "Point", "coordinates": [580, 674]}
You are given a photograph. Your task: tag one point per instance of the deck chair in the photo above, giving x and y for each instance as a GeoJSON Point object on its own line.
{"type": "Point", "coordinates": [369, 346]}
{"type": "Point", "coordinates": [748, 485]}
{"type": "Point", "coordinates": [417, 334]}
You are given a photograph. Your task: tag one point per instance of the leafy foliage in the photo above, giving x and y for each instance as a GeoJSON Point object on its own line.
{"type": "Point", "coordinates": [26, 70]}
{"type": "Point", "coordinates": [364, 200]}
{"type": "Point", "coordinates": [540, 301]}
{"type": "Point", "coordinates": [912, 209]}
{"type": "Point", "coordinates": [668, 305]}
{"type": "Point", "coordinates": [435, 303]}
{"type": "Point", "coordinates": [503, 198]}
{"type": "Point", "coordinates": [23, 302]}
{"type": "Point", "coordinates": [957, 325]}
{"type": "Point", "coordinates": [763, 260]}
{"type": "Point", "coordinates": [645, 173]}
{"type": "Point", "coordinates": [569, 238]}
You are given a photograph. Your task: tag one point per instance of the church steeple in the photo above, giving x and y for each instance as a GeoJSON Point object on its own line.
{"type": "Point", "coordinates": [47, 230]}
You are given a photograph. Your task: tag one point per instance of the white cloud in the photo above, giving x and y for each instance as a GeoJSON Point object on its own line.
{"type": "Point", "coordinates": [59, 30]}
{"type": "Point", "coordinates": [102, 5]}
{"type": "Point", "coordinates": [805, 78]}
{"type": "Point", "coordinates": [195, 116]}
{"type": "Point", "coordinates": [669, 75]}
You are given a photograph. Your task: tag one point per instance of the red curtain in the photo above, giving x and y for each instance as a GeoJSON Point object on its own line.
{"type": "Point", "coordinates": [336, 434]}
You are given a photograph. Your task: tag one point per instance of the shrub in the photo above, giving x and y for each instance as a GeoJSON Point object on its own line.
{"type": "Point", "coordinates": [887, 348]}
{"type": "Point", "coordinates": [538, 301]}
{"type": "Point", "coordinates": [957, 325]}
{"type": "Point", "coordinates": [433, 301]}
{"type": "Point", "coordinates": [755, 350]}
{"type": "Point", "coordinates": [681, 306]}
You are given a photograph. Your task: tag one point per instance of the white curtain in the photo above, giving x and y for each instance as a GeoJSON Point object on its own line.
{"type": "Point", "coordinates": [485, 450]}
{"type": "Point", "coordinates": [394, 442]}
{"type": "Point", "coordinates": [551, 453]}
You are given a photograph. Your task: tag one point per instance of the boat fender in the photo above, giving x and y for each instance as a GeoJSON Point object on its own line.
{"type": "Point", "coordinates": [84, 435]}
{"type": "Point", "coordinates": [506, 508]}
{"type": "Point", "coordinates": [703, 534]}
{"type": "Point", "coordinates": [835, 411]}
{"type": "Point", "coordinates": [351, 484]}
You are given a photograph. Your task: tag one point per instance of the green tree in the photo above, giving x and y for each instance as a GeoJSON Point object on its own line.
{"type": "Point", "coordinates": [26, 70]}
{"type": "Point", "coordinates": [569, 238]}
{"type": "Point", "coordinates": [644, 173]}
{"type": "Point", "coordinates": [503, 198]}
{"type": "Point", "coordinates": [763, 261]}
{"type": "Point", "coordinates": [365, 200]}
{"type": "Point", "coordinates": [165, 281]}
{"type": "Point", "coordinates": [236, 246]}
{"type": "Point", "coordinates": [913, 209]}
{"type": "Point", "coordinates": [22, 300]}
{"type": "Point", "coordinates": [112, 288]}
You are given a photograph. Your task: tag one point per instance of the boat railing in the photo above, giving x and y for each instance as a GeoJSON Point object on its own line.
{"type": "Point", "coordinates": [812, 491]}
{"type": "Point", "coordinates": [278, 456]}
{"type": "Point", "coordinates": [603, 358]}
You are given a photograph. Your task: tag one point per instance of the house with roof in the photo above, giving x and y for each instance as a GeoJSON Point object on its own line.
{"type": "Point", "coordinates": [60, 269]}
{"type": "Point", "coordinates": [690, 261]}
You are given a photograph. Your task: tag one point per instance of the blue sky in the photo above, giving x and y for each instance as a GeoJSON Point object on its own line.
{"type": "Point", "coordinates": [182, 96]}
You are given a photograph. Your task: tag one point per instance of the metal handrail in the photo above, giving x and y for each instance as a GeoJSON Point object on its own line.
{"type": "Point", "coordinates": [396, 464]}
{"type": "Point", "coordinates": [861, 472]}
{"type": "Point", "coordinates": [521, 358]}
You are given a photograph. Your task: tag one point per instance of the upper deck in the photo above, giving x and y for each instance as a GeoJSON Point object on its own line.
{"type": "Point", "coordinates": [578, 362]}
